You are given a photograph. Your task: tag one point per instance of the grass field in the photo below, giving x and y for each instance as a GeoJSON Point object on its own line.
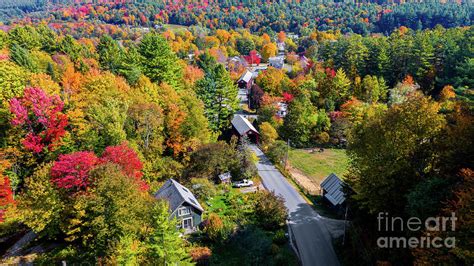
{"type": "Point", "coordinates": [175, 28]}
{"type": "Point", "coordinates": [318, 165]}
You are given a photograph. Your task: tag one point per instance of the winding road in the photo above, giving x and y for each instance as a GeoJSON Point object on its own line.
{"type": "Point", "coordinates": [313, 239]}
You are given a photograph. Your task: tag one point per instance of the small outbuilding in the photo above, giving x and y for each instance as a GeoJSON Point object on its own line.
{"type": "Point", "coordinates": [331, 189]}
{"type": "Point", "coordinates": [243, 128]}
{"type": "Point", "coordinates": [225, 178]}
{"type": "Point", "coordinates": [183, 205]}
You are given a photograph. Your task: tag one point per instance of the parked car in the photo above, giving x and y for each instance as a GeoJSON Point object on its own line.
{"type": "Point", "coordinates": [243, 183]}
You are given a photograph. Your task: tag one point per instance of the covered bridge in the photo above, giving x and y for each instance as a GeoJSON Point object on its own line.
{"type": "Point", "coordinates": [244, 128]}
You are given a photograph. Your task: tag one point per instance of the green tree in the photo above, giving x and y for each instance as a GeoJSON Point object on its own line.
{"type": "Point", "coordinates": [129, 66]}
{"type": "Point", "coordinates": [145, 127]}
{"type": "Point", "coordinates": [40, 205]}
{"type": "Point", "coordinates": [108, 118]}
{"type": "Point", "coordinates": [12, 81]}
{"type": "Point", "coordinates": [277, 151]}
{"type": "Point", "coordinates": [219, 94]}
{"type": "Point", "coordinates": [71, 47]}
{"type": "Point", "coordinates": [244, 45]}
{"type": "Point", "coordinates": [268, 133]}
{"type": "Point", "coordinates": [159, 62]}
{"type": "Point", "coordinates": [115, 207]}
{"type": "Point", "coordinates": [211, 159]}
{"type": "Point", "coordinates": [109, 53]}
{"type": "Point", "coordinates": [24, 36]}
{"type": "Point", "coordinates": [341, 85]}
{"type": "Point", "coordinates": [48, 38]}
{"type": "Point", "coordinates": [164, 245]}
{"type": "Point", "coordinates": [22, 57]}
{"type": "Point", "coordinates": [392, 151]}
{"type": "Point", "coordinates": [372, 89]}
{"type": "Point", "coordinates": [270, 210]}
{"type": "Point", "coordinates": [304, 122]}
{"type": "Point", "coordinates": [423, 61]}
{"type": "Point", "coordinates": [3, 39]}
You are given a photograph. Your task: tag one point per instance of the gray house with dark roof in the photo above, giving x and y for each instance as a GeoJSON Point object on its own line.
{"type": "Point", "coordinates": [331, 188]}
{"type": "Point", "coordinates": [183, 205]}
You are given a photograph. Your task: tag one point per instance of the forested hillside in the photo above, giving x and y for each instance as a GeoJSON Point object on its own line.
{"type": "Point", "coordinates": [257, 16]}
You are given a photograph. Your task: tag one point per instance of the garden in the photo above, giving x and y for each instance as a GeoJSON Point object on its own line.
{"type": "Point", "coordinates": [241, 228]}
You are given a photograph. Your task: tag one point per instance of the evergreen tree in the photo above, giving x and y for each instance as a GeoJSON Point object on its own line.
{"type": "Point", "coordinates": [109, 53]}
{"type": "Point", "coordinates": [129, 65]}
{"type": "Point", "coordinates": [22, 57]}
{"type": "Point", "coordinates": [165, 246]}
{"type": "Point", "coordinates": [219, 94]}
{"type": "Point", "coordinates": [159, 62]}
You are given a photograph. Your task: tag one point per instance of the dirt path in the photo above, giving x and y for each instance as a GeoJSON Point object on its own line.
{"type": "Point", "coordinates": [304, 182]}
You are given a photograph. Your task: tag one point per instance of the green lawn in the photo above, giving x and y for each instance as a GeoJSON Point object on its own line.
{"type": "Point", "coordinates": [318, 165]}
{"type": "Point", "coordinates": [175, 28]}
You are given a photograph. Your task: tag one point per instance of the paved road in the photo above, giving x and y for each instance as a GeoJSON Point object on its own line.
{"type": "Point", "coordinates": [312, 237]}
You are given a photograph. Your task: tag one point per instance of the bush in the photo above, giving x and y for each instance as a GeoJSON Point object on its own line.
{"type": "Point", "coordinates": [270, 210]}
{"type": "Point", "coordinates": [203, 188]}
{"type": "Point", "coordinates": [277, 151]}
{"type": "Point", "coordinates": [200, 255]}
{"type": "Point", "coordinates": [214, 227]}
{"type": "Point", "coordinates": [279, 238]}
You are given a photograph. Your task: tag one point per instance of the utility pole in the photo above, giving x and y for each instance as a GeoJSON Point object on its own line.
{"type": "Point", "coordinates": [345, 221]}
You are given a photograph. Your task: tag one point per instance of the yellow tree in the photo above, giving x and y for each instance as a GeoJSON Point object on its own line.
{"type": "Point", "coordinates": [273, 81]}
{"type": "Point", "coordinates": [269, 50]}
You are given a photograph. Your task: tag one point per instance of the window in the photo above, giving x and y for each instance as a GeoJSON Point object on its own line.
{"type": "Point", "coordinates": [187, 223]}
{"type": "Point", "coordinates": [183, 211]}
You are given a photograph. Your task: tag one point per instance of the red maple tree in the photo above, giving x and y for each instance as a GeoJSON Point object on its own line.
{"type": "Point", "coordinates": [125, 157]}
{"type": "Point", "coordinates": [288, 97]}
{"type": "Point", "coordinates": [71, 171]}
{"type": "Point", "coordinates": [40, 115]}
{"type": "Point", "coordinates": [6, 196]}
{"type": "Point", "coordinates": [253, 58]}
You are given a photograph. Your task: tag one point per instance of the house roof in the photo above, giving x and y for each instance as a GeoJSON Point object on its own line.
{"type": "Point", "coordinates": [276, 60]}
{"type": "Point", "coordinates": [247, 76]}
{"type": "Point", "coordinates": [177, 194]}
{"type": "Point", "coordinates": [243, 125]}
{"type": "Point", "coordinates": [333, 187]}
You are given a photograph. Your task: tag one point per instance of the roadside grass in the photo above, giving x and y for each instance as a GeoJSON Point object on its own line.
{"type": "Point", "coordinates": [318, 165]}
{"type": "Point", "coordinates": [316, 201]}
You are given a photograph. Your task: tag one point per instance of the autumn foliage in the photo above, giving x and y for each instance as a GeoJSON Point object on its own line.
{"type": "Point", "coordinates": [71, 171]}
{"type": "Point", "coordinates": [125, 157]}
{"type": "Point", "coordinates": [200, 254]}
{"type": "Point", "coordinates": [40, 115]}
{"type": "Point", "coordinates": [6, 195]}
{"type": "Point", "coordinates": [253, 58]}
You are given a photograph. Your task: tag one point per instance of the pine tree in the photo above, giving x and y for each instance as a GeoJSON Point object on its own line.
{"type": "Point", "coordinates": [158, 61]}
{"type": "Point", "coordinates": [109, 53]}
{"type": "Point", "coordinates": [219, 94]}
{"type": "Point", "coordinates": [165, 247]}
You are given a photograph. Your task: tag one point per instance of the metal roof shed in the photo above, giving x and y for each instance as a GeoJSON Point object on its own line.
{"type": "Point", "coordinates": [332, 189]}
